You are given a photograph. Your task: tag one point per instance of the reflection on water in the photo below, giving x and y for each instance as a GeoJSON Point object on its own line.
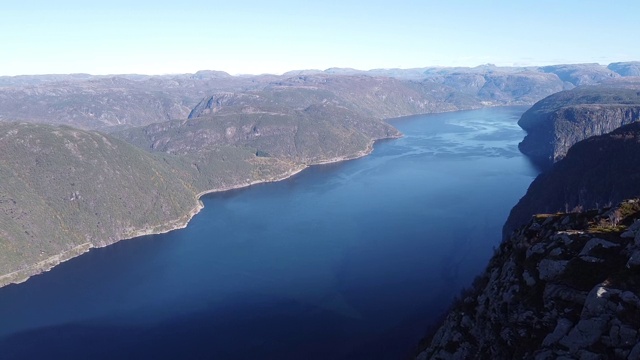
{"type": "Point", "coordinates": [349, 260]}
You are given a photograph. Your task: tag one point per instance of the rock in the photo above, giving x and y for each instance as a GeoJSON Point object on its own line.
{"type": "Point", "coordinates": [556, 252]}
{"type": "Point", "coordinates": [550, 269]}
{"type": "Point", "coordinates": [591, 259]}
{"type": "Point", "coordinates": [588, 355]}
{"type": "Point", "coordinates": [635, 226]}
{"type": "Point", "coordinates": [630, 298]}
{"type": "Point", "coordinates": [595, 242]}
{"type": "Point", "coordinates": [538, 248]}
{"type": "Point", "coordinates": [628, 336]}
{"type": "Point", "coordinates": [635, 352]}
{"type": "Point", "coordinates": [528, 279]}
{"type": "Point", "coordinates": [585, 333]}
{"type": "Point", "coordinates": [562, 328]}
{"type": "Point", "coordinates": [545, 355]}
{"type": "Point", "coordinates": [634, 260]}
{"type": "Point", "coordinates": [535, 226]}
{"type": "Point", "coordinates": [558, 291]}
{"type": "Point", "coordinates": [628, 234]}
{"type": "Point", "coordinates": [518, 315]}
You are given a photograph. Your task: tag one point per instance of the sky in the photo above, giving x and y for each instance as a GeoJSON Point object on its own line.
{"type": "Point", "coordinates": [275, 36]}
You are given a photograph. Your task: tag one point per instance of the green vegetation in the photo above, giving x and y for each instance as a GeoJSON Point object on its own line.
{"type": "Point", "coordinates": [61, 188]}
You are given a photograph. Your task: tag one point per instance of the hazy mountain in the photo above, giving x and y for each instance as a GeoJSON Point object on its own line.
{"type": "Point", "coordinates": [581, 74]}
{"type": "Point", "coordinates": [631, 68]}
{"type": "Point", "coordinates": [115, 102]}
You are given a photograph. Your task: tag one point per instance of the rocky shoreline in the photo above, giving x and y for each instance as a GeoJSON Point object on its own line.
{"type": "Point", "coordinates": [49, 263]}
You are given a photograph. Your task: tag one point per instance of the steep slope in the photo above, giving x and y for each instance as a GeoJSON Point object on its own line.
{"type": "Point", "coordinates": [557, 122]}
{"type": "Point", "coordinates": [315, 134]}
{"type": "Point", "coordinates": [597, 171]}
{"type": "Point", "coordinates": [563, 286]}
{"type": "Point", "coordinates": [63, 191]}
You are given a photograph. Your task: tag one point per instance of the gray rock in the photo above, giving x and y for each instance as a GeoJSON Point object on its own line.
{"type": "Point", "coordinates": [538, 248]}
{"type": "Point", "coordinates": [635, 353]}
{"type": "Point", "coordinates": [556, 252]}
{"type": "Point", "coordinates": [466, 322]}
{"type": "Point", "coordinates": [630, 298]}
{"type": "Point", "coordinates": [535, 226]}
{"type": "Point", "coordinates": [621, 353]}
{"type": "Point", "coordinates": [597, 302]}
{"type": "Point", "coordinates": [634, 260]}
{"type": "Point", "coordinates": [562, 328]}
{"type": "Point", "coordinates": [545, 355]}
{"type": "Point", "coordinates": [628, 234]}
{"type": "Point", "coordinates": [528, 279]}
{"type": "Point", "coordinates": [596, 242]}
{"type": "Point", "coordinates": [588, 355]}
{"type": "Point", "coordinates": [557, 291]}
{"type": "Point", "coordinates": [591, 259]}
{"type": "Point", "coordinates": [550, 269]}
{"type": "Point", "coordinates": [627, 335]}
{"type": "Point", "coordinates": [586, 333]}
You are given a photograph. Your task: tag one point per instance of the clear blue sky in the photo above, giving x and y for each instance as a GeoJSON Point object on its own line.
{"type": "Point", "coordinates": [160, 37]}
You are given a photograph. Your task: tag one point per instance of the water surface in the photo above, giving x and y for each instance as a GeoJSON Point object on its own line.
{"type": "Point", "coordinates": [348, 260]}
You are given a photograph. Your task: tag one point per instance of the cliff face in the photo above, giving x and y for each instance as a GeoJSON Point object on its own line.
{"type": "Point", "coordinates": [557, 122]}
{"type": "Point", "coordinates": [564, 285]}
{"type": "Point", "coordinates": [595, 172]}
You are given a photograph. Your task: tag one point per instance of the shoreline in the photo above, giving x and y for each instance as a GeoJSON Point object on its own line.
{"type": "Point", "coordinates": [20, 276]}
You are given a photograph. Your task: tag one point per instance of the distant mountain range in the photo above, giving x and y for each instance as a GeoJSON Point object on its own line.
{"type": "Point", "coordinates": [89, 160]}
{"type": "Point", "coordinates": [122, 101]}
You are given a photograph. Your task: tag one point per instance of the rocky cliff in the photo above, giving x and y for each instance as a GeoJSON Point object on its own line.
{"type": "Point", "coordinates": [596, 172]}
{"type": "Point", "coordinates": [557, 122]}
{"type": "Point", "coordinates": [563, 286]}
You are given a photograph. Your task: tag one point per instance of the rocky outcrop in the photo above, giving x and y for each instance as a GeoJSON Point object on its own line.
{"type": "Point", "coordinates": [557, 122]}
{"type": "Point", "coordinates": [563, 286]}
{"type": "Point", "coordinates": [596, 172]}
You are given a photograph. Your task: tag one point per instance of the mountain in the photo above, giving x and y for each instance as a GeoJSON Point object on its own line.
{"type": "Point", "coordinates": [558, 121]}
{"type": "Point", "coordinates": [315, 134]}
{"type": "Point", "coordinates": [596, 171]}
{"type": "Point", "coordinates": [115, 102]}
{"type": "Point", "coordinates": [581, 74]}
{"type": "Point", "coordinates": [67, 189]}
{"type": "Point", "coordinates": [563, 286]}
{"type": "Point", "coordinates": [64, 191]}
{"type": "Point", "coordinates": [631, 68]}
{"type": "Point", "coordinates": [564, 281]}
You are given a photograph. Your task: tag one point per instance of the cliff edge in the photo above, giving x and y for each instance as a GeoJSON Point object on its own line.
{"type": "Point", "coordinates": [563, 286]}
{"type": "Point", "coordinates": [558, 121]}
{"type": "Point", "coordinates": [596, 172]}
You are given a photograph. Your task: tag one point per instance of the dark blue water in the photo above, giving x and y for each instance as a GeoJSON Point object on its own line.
{"type": "Point", "coordinates": [349, 260]}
